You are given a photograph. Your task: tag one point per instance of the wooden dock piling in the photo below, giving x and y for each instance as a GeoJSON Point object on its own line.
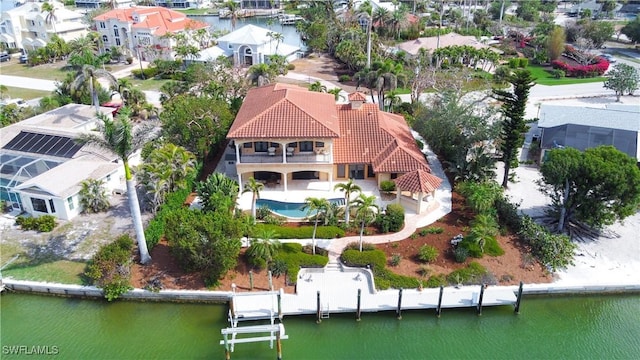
{"type": "Point", "coordinates": [250, 280]}
{"type": "Point", "coordinates": [227, 350]}
{"type": "Point", "coordinates": [358, 307]}
{"type": "Point", "coordinates": [318, 310]}
{"type": "Point", "coordinates": [439, 308]}
{"type": "Point", "coordinates": [482, 287]}
{"type": "Point", "coordinates": [517, 307]}
{"type": "Point", "coordinates": [399, 311]}
{"type": "Point", "coordinates": [278, 345]}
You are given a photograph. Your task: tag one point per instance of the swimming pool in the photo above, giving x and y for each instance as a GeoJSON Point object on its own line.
{"type": "Point", "coordinates": [290, 210]}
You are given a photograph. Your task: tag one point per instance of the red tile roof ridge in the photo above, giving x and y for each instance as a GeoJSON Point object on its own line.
{"type": "Point", "coordinates": [418, 180]}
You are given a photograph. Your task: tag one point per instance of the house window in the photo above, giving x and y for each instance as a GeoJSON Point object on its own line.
{"type": "Point", "coordinates": [319, 144]}
{"type": "Point", "coordinates": [275, 145]}
{"type": "Point", "coordinates": [39, 205]}
{"type": "Point", "coordinates": [53, 208]}
{"type": "Point", "coordinates": [230, 46]}
{"type": "Point", "coordinates": [33, 23]}
{"type": "Point", "coordinates": [292, 145]}
{"type": "Point", "coordinates": [306, 145]}
{"type": "Point", "coordinates": [70, 203]}
{"type": "Point", "coordinates": [370, 172]}
{"type": "Point", "coordinates": [102, 25]}
{"type": "Point", "coordinates": [116, 33]}
{"type": "Point", "coordinates": [341, 171]}
{"type": "Point", "coordinates": [261, 146]}
{"type": "Point", "coordinates": [394, 175]}
{"type": "Point", "coordinates": [247, 145]}
{"type": "Point", "coordinates": [108, 178]}
{"type": "Point", "coordinates": [117, 42]}
{"type": "Point", "coordinates": [105, 38]}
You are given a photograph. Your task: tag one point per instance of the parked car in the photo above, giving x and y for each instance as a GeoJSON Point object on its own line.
{"type": "Point", "coordinates": [24, 58]}
{"type": "Point", "coordinates": [5, 56]}
{"type": "Point", "coordinates": [609, 58]}
{"type": "Point", "coordinates": [17, 101]}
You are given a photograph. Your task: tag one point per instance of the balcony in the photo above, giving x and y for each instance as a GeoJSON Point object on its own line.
{"type": "Point", "coordinates": [296, 158]}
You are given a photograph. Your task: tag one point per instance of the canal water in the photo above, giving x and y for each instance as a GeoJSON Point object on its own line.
{"type": "Point", "coordinates": [593, 327]}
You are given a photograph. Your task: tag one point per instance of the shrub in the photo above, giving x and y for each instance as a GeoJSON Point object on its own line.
{"type": "Point", "coordinates": [148, 73]}
{"type": "Point", "coordinates": [262, 212]}
{"type": "Point", "coordinates": [355, 246]}
{"type": "Point", "coordinates": [493, 248]}
{"type": "Point", "coordinates": [553, 250]}
{"type": "Point", "coordinates": [392, 219]}
{"type": "Point", "coordinates": [592, 70]}
{"type": "Point", "coordinates": [110, 267]}
{"type": "Point", "coordinates": [472, 274]}
{"type": "Point", "coordinates": [278, 267]}
{"type": "Point", "coordinates": [460, 254]}
{"type": "Point", "coordinates": [523, 62]}
{"type": "Point", "coordinates": [436, 281]}
{"type": "Point", "coordinates": [513, 63]}
{"type": "Point", "coordinates": [386, 279]}
{"type": "Point", "coordinates": [45, 223]}
{"type": "Point", "coordinates": [472, 247]}
{"type": "Point", "coordinates": [434, 230]}
{"type": "Point", "coordinates": [395, 260]}
{"type": "Point", "coordinates": [155, 230]}
{"type": "Point", "coordinates": [291, 254]}
{"type": "Point", "coordinates": [387, 186]}
{"type": "Point", "coordinates": [302, 232]}
{"type": "Point", "coordinates": [257, 262]}
{"type": "Point", "coordinates": [424, 271]}
{"type": "Point", "coordinates": [557, 73]}
{"type": "Point", "coordinates": [428, 253]}
{"type": "Point", "coordinates": [420, 144]}
{"type": "Point", "coordinates": [423, 232]}
{"type": "Point", "coordinates": [344, 78]}
{"type": "Point", "coordinates": [374, 258]}
{"type": "Point", "coordinates": [129, 60]}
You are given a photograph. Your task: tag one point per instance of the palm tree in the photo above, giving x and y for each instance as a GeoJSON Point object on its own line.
{"type": "Point", "coordinates": [483, 228]}
{"type": "Point", "coordinates": [119, 137]}
{"type": "Point", "coordinates": [51, 17]}
{"type": "Point", "coordinates": [317, 87]}
{"type": "Point", "coordinates": [91, 74]}
{"type": "Point", "coordinates": [233, 8]}
{"type": "Point", "coordinates": [265, 245]}
{"type": "Point", "coordinates": [336, 93]}
{"type": "Point", "coordinates": [366, 210]}
{"type": "Point", "coordinates": [260, 74]}
{"type": "Point", "coordinates": [315, 206]}
{"type": "Point", "coordinates": [254, 187]}
{"type": "Point", "coordinates": [348, 188]}
{"type": "Point", "coordinates": [217, 183]}
{"type": "Point", "coordinates": [93, 196]}
{"type": "Point", "coordinates": [278, 37]}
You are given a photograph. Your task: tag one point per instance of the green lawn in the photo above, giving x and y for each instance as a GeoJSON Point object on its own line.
{"type": "Point", "coordinates": [26, 94]}
{"type": "Point", "coordinates": [543, 77]}
{"type": "Point", "coordinates": [62, 271]}
{"type": "Point", "coordinates": [150, 84]}
{"type": "Point", "coordinates": [46, 72]}
{"type": "Point", "coordinates": [197, 11]}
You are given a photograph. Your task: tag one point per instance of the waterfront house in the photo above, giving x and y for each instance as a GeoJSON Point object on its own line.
{"type": "Point", "coordinates": [253, 45]}
{"type": "Point", "coordinates": [28, 27]}
{"type": "Point", "coordinates": [142, 31]}
{"type": "Point", "coordinates": [96, 4]}
{"type": "Point", "coordinates": [286, 133]}
{"type": "Point", "coordinates": [412, 47]}
{"type": "Point", "coordinates": [586, 127]}
{"type": "Point", "coordinates": [42, 166]}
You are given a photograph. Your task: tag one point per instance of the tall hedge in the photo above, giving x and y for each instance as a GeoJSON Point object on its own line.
{"type": "Point", "coordinates": [302, 232]}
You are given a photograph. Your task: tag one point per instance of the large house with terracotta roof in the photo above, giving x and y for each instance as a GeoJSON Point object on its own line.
{"type": "Point", "coordinates": [284, 133]}
{"type": "Point", "coordinates": [141, 30]}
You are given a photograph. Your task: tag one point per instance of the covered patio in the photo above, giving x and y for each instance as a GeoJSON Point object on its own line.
{"type": "Point", "coordinates": [420, 183]}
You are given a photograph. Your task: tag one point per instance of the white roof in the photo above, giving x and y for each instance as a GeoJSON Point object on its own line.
{"type": "Point", "coordinates": [615, 116]}
{"type": "Point", "coordinates": [212, 53]}
{"type": "Point", "coordinates": [248, 35]}
{"type": "Point", "coordinates": [65, 179]}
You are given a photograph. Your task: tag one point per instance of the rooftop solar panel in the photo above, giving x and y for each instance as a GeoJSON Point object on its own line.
{"type": "Point", "coordinates": [53, 145]}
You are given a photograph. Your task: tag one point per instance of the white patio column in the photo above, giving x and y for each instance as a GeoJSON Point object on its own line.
{"type": "Point", "coordinates": [284, 152]}
{"type": "Point", "coordinates": [398, 193]}
{"type": "Point", "coordinates": [419, 207]}
{"type": "Point", "coordinates": [240, 180]}
{"type": "Point", "coordinates": [237, 152]}
{"type": "Point", "coordinates": [284, 176]}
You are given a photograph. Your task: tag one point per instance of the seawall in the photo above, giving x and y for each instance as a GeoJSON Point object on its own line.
{"type": "Point", "coordinates": [203, 296]}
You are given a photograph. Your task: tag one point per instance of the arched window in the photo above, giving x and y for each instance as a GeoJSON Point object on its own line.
{"type": "Point", "coordinates": [105, 38]}
{"type": "Point", "coordinates": [247, 51]}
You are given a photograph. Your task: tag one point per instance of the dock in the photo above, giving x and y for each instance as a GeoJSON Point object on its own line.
{"type": "Point", "coordinates": [317, 294]}
{"type": "Point", "coordinates": [289, 19]}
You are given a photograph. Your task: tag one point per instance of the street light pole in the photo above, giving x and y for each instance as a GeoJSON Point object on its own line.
{"type": "Point", "coordinates": [140, 61]}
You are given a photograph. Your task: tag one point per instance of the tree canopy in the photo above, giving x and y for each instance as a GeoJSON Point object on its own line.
{"type": "Point", "coordinates": [596, 187]}
{"type": "Point", "coordinates": [622, 79]}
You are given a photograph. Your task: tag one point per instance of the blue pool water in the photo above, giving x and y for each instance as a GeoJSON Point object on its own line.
{"type": "Point", "coordinates": [290, 210]}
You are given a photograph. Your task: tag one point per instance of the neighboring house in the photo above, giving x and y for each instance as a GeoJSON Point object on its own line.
{"type": "Point", "coordinates": [432, 43]}
{"type": "Point", "coordinates": [142, 31]}
{"type": "Point", "coordinates": [179, 4]}
{"type": "Point", "coordinates": [28, 27]}
{"type": "Point", "coordinates": [583, 127]}
{"type": "Point", "coordinates": [285, 133]}
{"type": "Point", "coordinates": [95, 4]}
{"type": "Point", "coordinates": [251, 45]}
{"type": "Point", "coordinates": [42, 166]}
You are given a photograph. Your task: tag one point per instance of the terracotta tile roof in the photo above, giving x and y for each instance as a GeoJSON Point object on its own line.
{"type": "Point", "coordinates": [158, 20]}
{"type": "Point", "coordinates": [286, 111]}
{"type": "Point", "coordinates": [418, 181]}
{"type": "Point", "coordinates": [369, 135]}
{"type": "Point", "coordinates": [357, 96]}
